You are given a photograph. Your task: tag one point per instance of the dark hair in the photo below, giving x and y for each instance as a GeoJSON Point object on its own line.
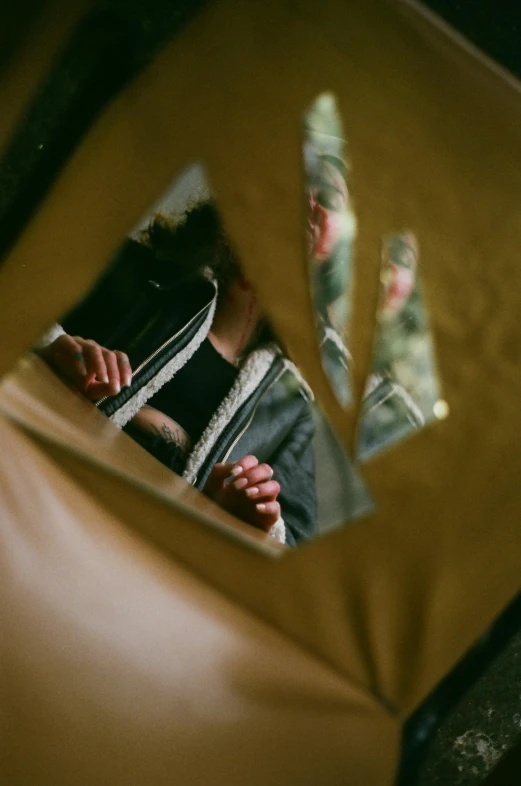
{"type": "Point", "coordinates": [185, 248]}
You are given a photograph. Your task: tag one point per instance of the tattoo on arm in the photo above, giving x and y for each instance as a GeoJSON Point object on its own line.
{"type": "Point", "coordinates": [174, 435]}
{"type": "Point", "coordinates": [159, 424]}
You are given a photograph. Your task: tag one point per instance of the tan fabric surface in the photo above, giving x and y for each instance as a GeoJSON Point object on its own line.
{"type": "Point", "coordinates": [434, 135]}
{"type": "Point", "coordinates": [119, 667]}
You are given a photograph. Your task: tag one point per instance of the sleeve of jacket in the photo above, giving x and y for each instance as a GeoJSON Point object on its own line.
{"type": "Point", "coordinates": [294, 468]}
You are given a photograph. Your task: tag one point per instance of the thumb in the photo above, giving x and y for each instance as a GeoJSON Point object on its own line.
{"type": "Point", "coordinates": [216, 478]}
{"type": "Point", "coordinates": [222, 471]}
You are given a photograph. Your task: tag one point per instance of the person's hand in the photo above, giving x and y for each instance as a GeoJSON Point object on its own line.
{"type": "Point", "coordinates": [94, 370]}
{"type": "Point", "coordinates": [247, 490]}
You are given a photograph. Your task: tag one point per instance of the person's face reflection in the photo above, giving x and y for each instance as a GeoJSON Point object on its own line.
{"type": "Point", "coordinates": [399, 274]}
{"type": "Point", "coordinates": [328, 221]}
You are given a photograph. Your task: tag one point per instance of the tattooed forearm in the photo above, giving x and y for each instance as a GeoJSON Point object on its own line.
{"type": "Point", "coordinates": [159, 424]}
{"type": "Point", "coordinates": [172, 434]}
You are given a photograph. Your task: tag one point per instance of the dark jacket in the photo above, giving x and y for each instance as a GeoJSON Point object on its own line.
{"type": "Point", "coordinates": [160, 323]}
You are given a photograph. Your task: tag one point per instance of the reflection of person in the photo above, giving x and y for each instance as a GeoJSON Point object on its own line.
{"type": "Point", "coordinates": [399, 264]}
{"type": "Point", "coordinates": [331, 226]}
{"type": "Point", "coordinates": [331, 229]}
{"type": "Point", "coordinates": [390, 412]}
{"type": "Point", "coordinates": [197, 378]}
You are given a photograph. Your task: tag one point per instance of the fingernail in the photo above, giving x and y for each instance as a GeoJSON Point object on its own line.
{"type": "Point", "coordinates": [105, 380]}
{"type": "Point", "coordinates": [252, 492]}
{"type": "Point", "coordinates": [240, 484]}
{"type": "Point", "coordinates": [117, 389]}
{"type": "Point", "coordinates": [83, 372]}
{"type": "Point", "coordinates": [261, 507]}
{"type": "Point", "coordinates": [236, 471]}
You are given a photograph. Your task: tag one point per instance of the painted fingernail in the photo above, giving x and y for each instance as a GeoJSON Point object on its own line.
{"type": "Point", "coordinates": [252, 492]}
{"type": "Point", "coordinates": [240, 484]}
{"type": "Point", "coordinates": [261, 507]}
{"type": "Point", "coordinates": [236, 471]}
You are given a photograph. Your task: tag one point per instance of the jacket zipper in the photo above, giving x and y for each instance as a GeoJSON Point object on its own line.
{"type": "Point", "coordinates": [215, 451]}
{"type": "Point", "coordinates": [248, 424]}
{"type": "Point", "coordinates": [159, 349]}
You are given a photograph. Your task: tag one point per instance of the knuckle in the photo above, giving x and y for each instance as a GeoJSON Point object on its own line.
{"type": "Point", "coordinates": [66, 344]}
{"type": "Point", "coordinates": [93, 349]}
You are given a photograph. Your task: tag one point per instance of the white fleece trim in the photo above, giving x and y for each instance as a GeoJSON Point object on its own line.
{"type": "Point", "coordinates": [413, 406]}
{"type": "Point", "coordinates": [125, 413]}
{"type": "Point", "coordinates": [373, 382]}
{"type": "Point", "coordinates": [401, 392]}
{"type": "Point", "coordinates": [278, 531]}
{"type": "Point", "coordinates": [49, 336]}
{"type": "Point", "coordinates": [331, 334]}
{"type": "Point", "coordinates": [249, 378]}
{"type": "Point", "coordinates": [290, 366]}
